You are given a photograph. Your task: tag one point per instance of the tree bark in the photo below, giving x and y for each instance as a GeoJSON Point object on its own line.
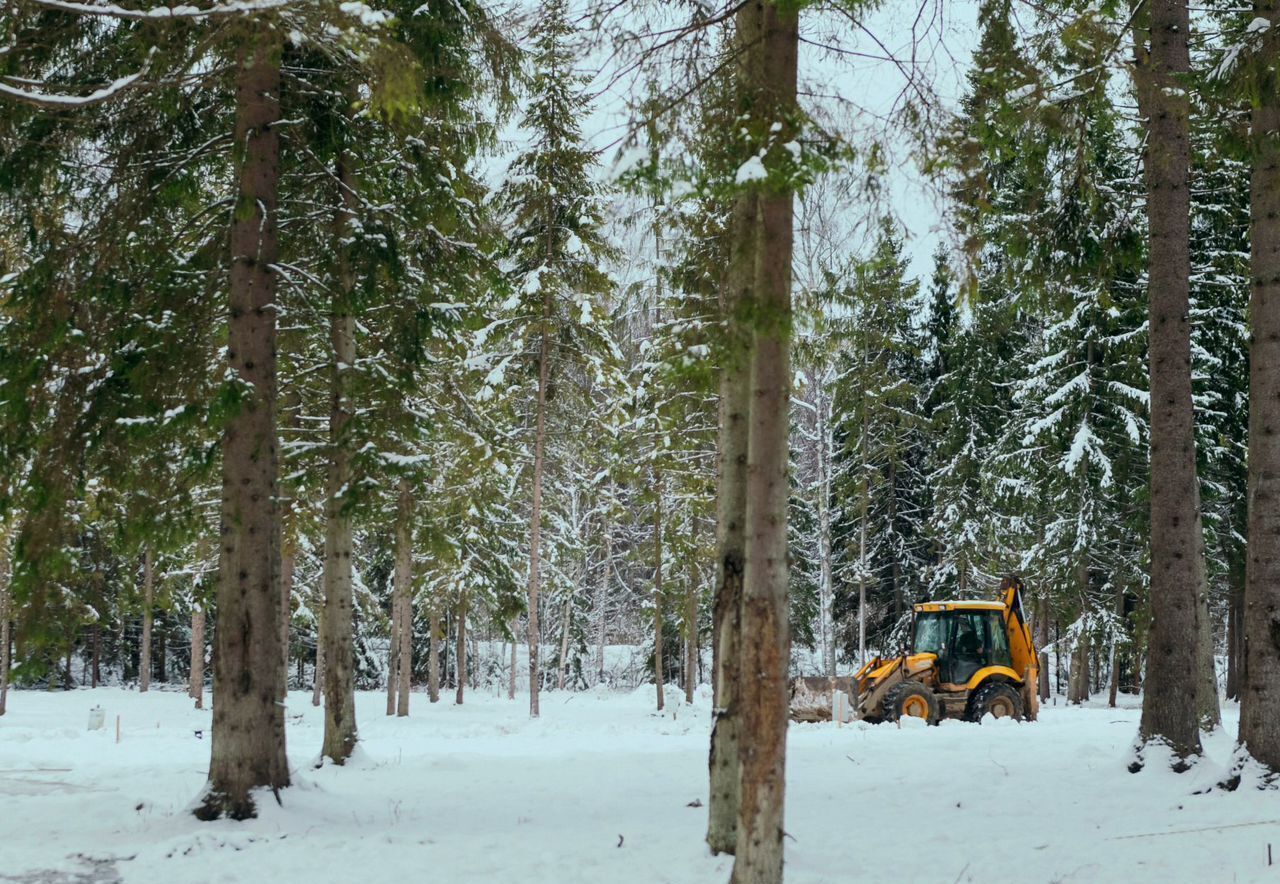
{"type": "Point", "coordinates": [1169, 708]}
{"type": "Point", "coordinates": [657, 581]}
{"type": "Point", "coordinates": [565, 618]}
{"type": "Point", "coordinates": [462, 649]}
{"type": "Point", "coordinates": [433, 653]}
{"type": "Point", "coordinates": [737, 303]}
{"type": "Point", "coordinates": [6, 615]}
{"type": "Point", "coordinates": [97, 655]}
{"type": "Point", "coordinates": [1042, 640]}
{"type": "Point", "coordinates": [195, 683]}
{"type": "Point", "coordinates": [826, 588]}
{"type": "Point", "coordinates": [1260, 694]}
{"type": "Point", "coordinates": [339, 676]}
{"type": "Point", "coordinates": [691, 637]}
{"type": "Point", "coordinates": [511, 679]}
{"type": "Point", "coordinates": [248, 738]}
{"type": "Point", "coordinates": [766, 637]}
{"type": "Point", "coordinates": [287, 564]}
{"type": "Point", "coordinates": [393, 645]}
{"type": "Point", "coordinates": [1208, 710]}
{"type": "Point", "coordinates": [404, 595]}
{"type": "Point", "coordinates": [317, 678]}
{"type": "Point", "coordinates": [535, 518]}
{"type": "Point", "coordinates": [148, 600]}
{"type": "Point", "coordinates": [602, 599]}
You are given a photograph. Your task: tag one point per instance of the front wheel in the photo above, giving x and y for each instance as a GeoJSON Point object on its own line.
{"type": "Point", "coordinates": [910, 699]}
{"type": "Point", "coordinates": [996, 698]}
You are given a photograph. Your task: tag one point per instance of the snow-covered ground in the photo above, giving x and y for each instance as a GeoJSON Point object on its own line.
{"type": "Point", "coordinates": [602, 789]}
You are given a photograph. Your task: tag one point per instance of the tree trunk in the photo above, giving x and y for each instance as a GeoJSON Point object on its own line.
{"type": "Point", "coordinates": [737, 300]}
{"type": "Point", "coordinates": [766, 649]}
{"type": "Point", "coordinates": [511, 679]}
{"type": "Point", "coordinates": [462, 649]}
{"type": "Point", "coordinates": [1208, 710]}
{"type": "Point", "coordinates": [97, 655]}
{"type": "Point", "coordinates": [339, 676]}
{"type": "Point", "coordinates": [1078, 684]}
{"type": "Point", "coordinates": [657, 581]}
{"type": "Point", "coordinates": [1235, 632]}
{"type": "Point", "coordinates": [691, 638]}
{"type": "Point", "coordinates": [148, 600]}
{"type": "Point", "coordinates": [5, 615]}
{"type": "Point", "coordinates": [248, 740]}
{"type": "Point", "coordinates": [393, 645]}
{"type": "Point", "coordinates": [317, 686]}
{"type": "Point", "coordinates": [195, 683]}
{"type": "Point", "coordinates": [602, 598]}
{"type": "Point", "coordinates": [565, 617]}
{"type": "Point", "coordinates": [287, 564]}
{"type": "Point", "coordinates": [403, 601]}
{"type": "Point", "coordinates": [1169, 707]}
{"type": "Point", "coordinates": [1114, 666]}
{"type": "Point", "coordinates": [1260, 694]}
{"type": "Point", "coordinates": [826, 588]}
{"type": "Point", "coordinates": [535, 517]}
{"type": "Point", "coordinates": [433, 652]}
{"type": "Point", "coordinates": [1042, 640]}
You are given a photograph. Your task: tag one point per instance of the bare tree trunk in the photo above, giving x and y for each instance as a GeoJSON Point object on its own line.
{"type": "Point", "coordinates": [691, 638]}
{"type": "Point", "coordinates": [1260, 696]}
{"type": "Point", "coordinates": [765, 627]}
{"type": "Point", "coordinates": [462, 648]}
{"type": "Point", "coordinates": [433, 652]}
{"type": "Point", "coordinates": [248, 742]}
{"type": "Point", "coordinates": [393, 645]}
{"type": "Point", "coordinates": [737, 303]}
{"type": "Point", "coordinates": [339, 677]}
{"type": "Point", "coordinates": [1042, 640]}
{"type": "Point", "coordinates": [97, 654]}
{"type": "Point", "coordinates": [1114, 667]}
{"type": "Point", "coordinates": [195, 683]}
{"type": "Point", "coordinates": [511, 681]}
{"type": "Point", "coordinates": [826, 588]}
{"type": "Point", "coordinates": [657, 582]}
{"type": "Point", "coordinates": [1235, 632]}
{"type": "Point", "coordinates": [403, 601]}
{"type": "Point", "coordinates": [1078, 685]}
{"type": "Point", "coordinates": [148, 601]}
{"type": "Point", "coordinates": [602, 598]}
{"type": "Point", "coordinates": [286, 614]}
{"type": "Point", "coordinates": [565, 617]}
{"type": "Point", "coordinates": [535, 518]}
{"type": "Point", "coordinates": [6, 615]}
{"type": "Point", "coordinates": [1169, 708]}
{"type": "Point", "coordinates": [863, 505]}
{"type": "Point", "coordinates": [1208, 710]}
{"type": "Point", "coordinates": [317, 686]}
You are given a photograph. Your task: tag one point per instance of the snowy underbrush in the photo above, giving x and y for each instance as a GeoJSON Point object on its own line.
{"type": "Point", "coordinates": [602, 788]}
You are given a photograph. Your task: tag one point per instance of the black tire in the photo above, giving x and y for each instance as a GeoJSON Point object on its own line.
{"type": "Point", "coordinates": [908, 699]}
{"type": "Point", "coordinates": [998, 698]}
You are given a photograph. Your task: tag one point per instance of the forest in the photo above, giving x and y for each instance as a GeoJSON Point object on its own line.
{"type": "Point", "coordinates": [533, 354]}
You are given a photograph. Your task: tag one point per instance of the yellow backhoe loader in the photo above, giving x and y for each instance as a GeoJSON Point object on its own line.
{"type": "Point", "coordinates": [967, 659]}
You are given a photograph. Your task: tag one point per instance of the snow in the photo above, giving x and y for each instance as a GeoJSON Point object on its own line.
{"type": "Point", "coordinates": [752, 170]}
{"type": "Point", "coordinates": [601, 788]}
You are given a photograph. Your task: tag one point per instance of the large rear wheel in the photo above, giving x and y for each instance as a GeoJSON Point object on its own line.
{"type": "Point", "coordinates": [910, 699]}
{"type": "Point", "coordinates": [998, 699]}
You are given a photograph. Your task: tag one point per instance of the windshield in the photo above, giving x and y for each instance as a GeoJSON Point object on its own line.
{"type": "Point", "coordinates": [930, 633]}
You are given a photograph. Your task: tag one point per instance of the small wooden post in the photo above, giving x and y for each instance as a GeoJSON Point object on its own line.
{"type": "Point", "coordinates": [117, 728]}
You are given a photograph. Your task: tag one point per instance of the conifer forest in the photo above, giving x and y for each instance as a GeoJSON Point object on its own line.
{"type": "Point", "coordinates": [667, 440]}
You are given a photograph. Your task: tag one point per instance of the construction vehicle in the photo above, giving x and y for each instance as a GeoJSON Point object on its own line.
{"type": "Point", "coordinates": [966, 659]}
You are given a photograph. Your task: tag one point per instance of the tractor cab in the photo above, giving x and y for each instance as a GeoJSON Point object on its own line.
{"type": "Point", "coordinates": [965, 636]}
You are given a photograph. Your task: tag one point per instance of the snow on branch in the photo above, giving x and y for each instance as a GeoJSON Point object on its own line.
{"type": "Point", "coordinates": [55, 100]}
{"type": "Point", "coordinates": [157, 12]}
